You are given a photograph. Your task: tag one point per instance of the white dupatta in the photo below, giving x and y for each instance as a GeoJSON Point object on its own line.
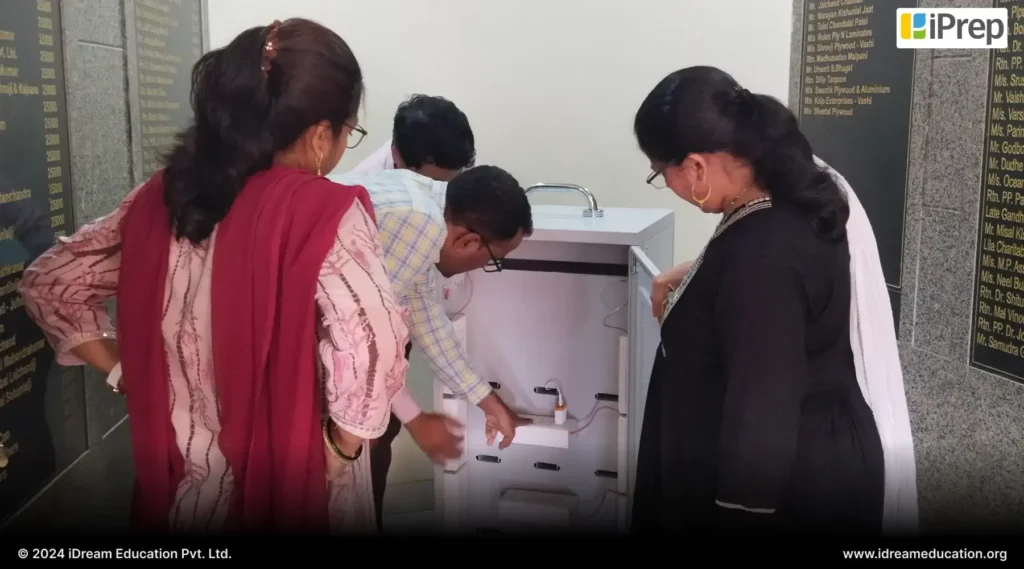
{"type": "Point", "coordinates": [877, 360]}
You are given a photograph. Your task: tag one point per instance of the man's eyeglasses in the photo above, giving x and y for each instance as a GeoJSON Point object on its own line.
{"type": "Point", "coordinates": [356, 136]}
{"type": "Point", "coordinates": [494, 265]}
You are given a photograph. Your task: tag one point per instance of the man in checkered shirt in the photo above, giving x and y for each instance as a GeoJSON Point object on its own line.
{"type": "Point", "coordinates": [431, 229]}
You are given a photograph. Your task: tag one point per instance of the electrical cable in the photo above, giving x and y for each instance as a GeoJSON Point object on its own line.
{"type": "Point", "coordinates": [558, 386]}
{"type": "Point", "coordinates": [592, 417]}
{"type": "Point", "coordinates": [610, 314]}
{"type": "Point", "coordinates": [600, 504]}
{"type": "Point", "coordinates": [612, 326]}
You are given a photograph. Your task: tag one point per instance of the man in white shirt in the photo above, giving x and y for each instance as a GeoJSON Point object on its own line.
{"type": "Point", "coordinates": [431, 137]}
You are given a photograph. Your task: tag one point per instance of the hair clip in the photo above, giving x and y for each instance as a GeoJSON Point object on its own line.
{"type": "Point", "coordinates": [270, 47]}
{"type": "Point", "coordinates": [743, 95]}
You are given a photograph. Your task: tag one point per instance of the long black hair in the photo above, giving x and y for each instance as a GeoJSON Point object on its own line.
{"type": "Point", "coordinates": [244, 116]}
{"type": "Point", "coordinates": [703, 110]}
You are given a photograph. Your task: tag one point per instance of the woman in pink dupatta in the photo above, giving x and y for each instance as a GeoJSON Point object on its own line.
{"type": "Point", "coordinates": [260, 343]}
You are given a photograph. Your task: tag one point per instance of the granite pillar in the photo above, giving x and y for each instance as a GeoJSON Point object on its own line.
{"type": "Point", "coordinates": [968, 425]}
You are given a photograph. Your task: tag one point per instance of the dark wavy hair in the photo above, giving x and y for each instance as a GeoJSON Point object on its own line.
{"type": "Point", "coordinates": [489, 201]}
{"type": "Point", "coordinates": [244, 116]}
{"type": "Point", "coordinates": [432, 130]}
{"type": "Point", "coordinates": [703, 110]}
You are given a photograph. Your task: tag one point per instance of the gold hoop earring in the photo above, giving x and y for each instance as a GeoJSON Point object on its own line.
{"type": "Point", "coordinates": [693, 194]}
{"type": "Point", "coordinates": [319, 160]}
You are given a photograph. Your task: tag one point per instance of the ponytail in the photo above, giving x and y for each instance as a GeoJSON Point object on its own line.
{"type": "Point", "coordinates": [768, 136]}
{"type": "Point", "coordinates": [252, 99]}
{"type": "Point", "coordinates": [703, 109]}
{"type": "Point", "coordinates": [227, 142]}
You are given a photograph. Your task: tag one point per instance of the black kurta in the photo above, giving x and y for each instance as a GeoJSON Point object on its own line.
{"type": "Point", "coordinates": [754, 418]}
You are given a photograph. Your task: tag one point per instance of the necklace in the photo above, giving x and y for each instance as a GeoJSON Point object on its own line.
{"type": "Point", "coordinates": [731, 217]}
{"type": "Point", "coordinates": [737, 197]}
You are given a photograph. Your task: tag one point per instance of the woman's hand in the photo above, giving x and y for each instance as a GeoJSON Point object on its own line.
{"type": "Point", "coordinates": [346, 442]}
{"type": "Point", "coordinates": [100, 354]}
{"type": "Point", "coordinates": [664, 284]}
{"type": "Point", "coordinates": [349, 445]}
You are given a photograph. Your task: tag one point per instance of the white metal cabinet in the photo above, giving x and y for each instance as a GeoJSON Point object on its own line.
{"type": "Point", "coordinates": [556, 316]}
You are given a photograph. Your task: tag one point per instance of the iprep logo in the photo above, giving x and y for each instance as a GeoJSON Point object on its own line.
{"type": "Point", "coordinates": [951, 28]}
{"type": "Point", "coordinates": [912, 25]}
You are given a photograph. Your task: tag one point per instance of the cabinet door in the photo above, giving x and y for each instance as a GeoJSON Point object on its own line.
{"type": "Point", "coordinates": [644, 339]}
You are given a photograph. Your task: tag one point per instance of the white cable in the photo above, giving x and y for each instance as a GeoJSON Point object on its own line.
{"type": "Point", "coordinates": [610, 314]}
{"type": "Point", "coordinates": [558, 385]}
{"type": "Point", "coordinates": [591, 417]}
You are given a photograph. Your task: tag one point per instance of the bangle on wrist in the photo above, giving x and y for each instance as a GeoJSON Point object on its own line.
{"type": "Point", "coordinates": [114, 379]}
{"type": "Point", "coordinates": [333, 447]}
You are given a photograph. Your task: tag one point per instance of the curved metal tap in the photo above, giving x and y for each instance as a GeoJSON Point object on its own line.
{"type": "Point", "coordinates": [592, 211]}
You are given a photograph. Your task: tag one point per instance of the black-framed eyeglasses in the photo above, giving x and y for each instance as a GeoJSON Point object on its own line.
{"type": "Point", "coordinates": [494, 265]}
{"type": "Point", "coordinates": [653, 179]}
{"type": "Point", "coordinates": [356, 136]}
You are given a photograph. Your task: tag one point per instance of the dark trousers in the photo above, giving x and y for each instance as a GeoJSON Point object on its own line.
{"type": "Point", "coordinates": [380, 459]}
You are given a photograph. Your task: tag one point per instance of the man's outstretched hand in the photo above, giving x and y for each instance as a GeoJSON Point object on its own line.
{"type": "Point", "coordinates": [500, 419]}
{"type": "Point", "coordinates": [439, 436]}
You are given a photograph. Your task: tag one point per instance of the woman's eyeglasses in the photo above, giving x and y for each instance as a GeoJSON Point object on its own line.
{"type": "Point", "coordinates": [657, 179]}
{"type": "Point", "coordinates": [355, 136]}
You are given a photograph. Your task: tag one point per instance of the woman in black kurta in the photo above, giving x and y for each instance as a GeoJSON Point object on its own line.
{"type": "Point", "coordinates": [754, 418]}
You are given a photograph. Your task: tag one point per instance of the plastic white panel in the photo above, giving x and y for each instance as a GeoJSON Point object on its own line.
{"type": "Point", "coordinates": [645, 337]}
{"type": "Point", "coordinates": [543, 432]}
{"type": "Point", "coordinates": [625, 479]}
{"type": "Point", "coordinates": [445, 400]}
{"type": "Point", "coordinates": [537, 508]}
{"type": "Point", "coordinates": [452, 490]}
{"type": "Point", "coordinates": [623, 369]}
{"type": "Point", "coordinates": [450, 481]}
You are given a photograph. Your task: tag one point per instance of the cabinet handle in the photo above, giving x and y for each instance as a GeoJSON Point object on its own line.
{"type": "Point", "coordinates": [5, 457]}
